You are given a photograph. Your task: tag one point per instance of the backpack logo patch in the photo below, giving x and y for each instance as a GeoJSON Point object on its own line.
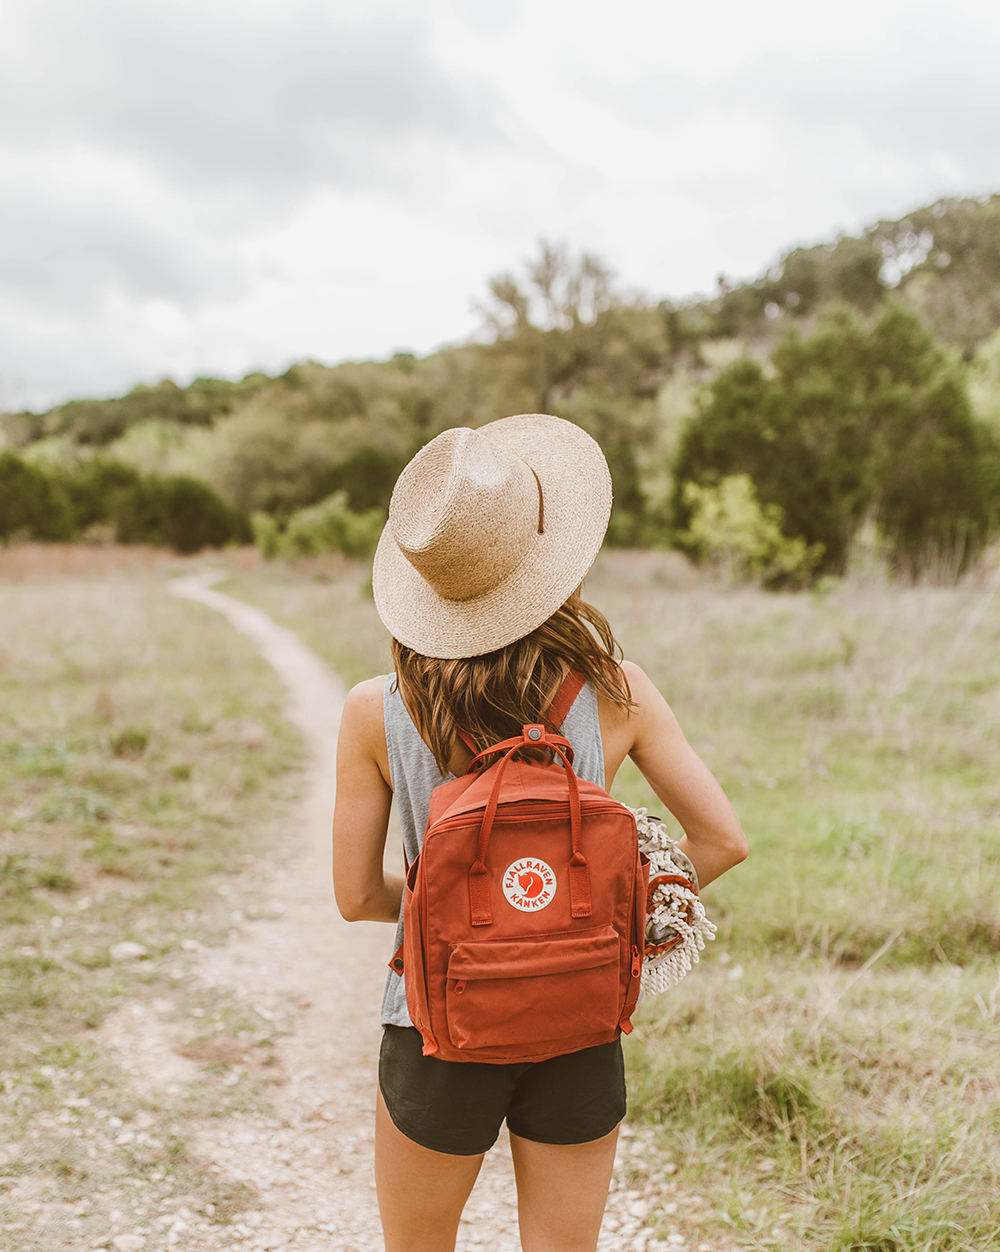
{"type": "Point", "coordinates": [529, 884]}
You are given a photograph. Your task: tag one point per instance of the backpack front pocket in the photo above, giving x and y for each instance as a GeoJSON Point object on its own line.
{"type": "Point", "coordinates": [541, 988]}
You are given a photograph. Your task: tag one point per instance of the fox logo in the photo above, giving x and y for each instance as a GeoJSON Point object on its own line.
{"type": "Point", "coordinates": [529, 884]}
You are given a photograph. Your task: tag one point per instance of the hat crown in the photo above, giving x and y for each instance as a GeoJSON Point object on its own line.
{"type": "Point", "coordinates": [465, 513]}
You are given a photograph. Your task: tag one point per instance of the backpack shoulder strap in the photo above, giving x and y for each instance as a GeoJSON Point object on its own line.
{"type": "Point", "coordinates": [573, 684]}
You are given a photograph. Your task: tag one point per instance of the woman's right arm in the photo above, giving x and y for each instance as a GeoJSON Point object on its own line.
{"type": "Point", "coordinates": [364, 891]}
{"type": "Point", "coordinates": [713, 837]}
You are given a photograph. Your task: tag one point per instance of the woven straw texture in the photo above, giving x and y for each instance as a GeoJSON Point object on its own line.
{"type": "Point", "coordinates": [489, 532]}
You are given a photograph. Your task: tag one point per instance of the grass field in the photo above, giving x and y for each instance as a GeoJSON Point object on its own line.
{"type": "Point", "coordinates": [145, 767]}
{"type": "Point", "coordinates": [829, 1078]}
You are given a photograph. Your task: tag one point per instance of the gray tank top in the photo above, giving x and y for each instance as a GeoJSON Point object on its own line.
{"type": "Point", "coordinates": [415, 774]}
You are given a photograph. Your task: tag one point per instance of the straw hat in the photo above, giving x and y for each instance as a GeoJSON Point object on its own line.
{"type": "Point", "coordinates": [489, 532]}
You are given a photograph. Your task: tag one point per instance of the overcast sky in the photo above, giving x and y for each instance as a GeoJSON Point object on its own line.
{"type": "Point", "coordinates": [210, 186]}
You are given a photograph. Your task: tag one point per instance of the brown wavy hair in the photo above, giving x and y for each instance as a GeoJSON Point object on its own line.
{"type": "Point", "coordinates": [492, 697]}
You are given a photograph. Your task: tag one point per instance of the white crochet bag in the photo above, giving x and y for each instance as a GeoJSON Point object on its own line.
{"type": "Point", "coordinates": [676, 925]}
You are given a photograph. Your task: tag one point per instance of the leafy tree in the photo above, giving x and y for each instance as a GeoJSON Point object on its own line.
{"type": "Point", "coordinates": [850, 421]}
{"type": "Point", "coordinates": [629, 526]}
{"type": "Point", "coordinates": [562, 327]}
{"type": "Point", "coordinates": [176, 512]}
{"type": "Point", "coordinates": [94, 486]}
{"type": "Point", "coordinates": [31, 504]}
{"type": "Point", "coordinates": [942, 260]}
{"type": "Point", "coordinates": [367, 478]}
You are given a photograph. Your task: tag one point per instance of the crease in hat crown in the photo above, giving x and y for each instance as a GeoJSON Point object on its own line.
{"type": "Point", "coordinates": [465, 513]}
{"type": "Point", "coordinates": [489, 531]}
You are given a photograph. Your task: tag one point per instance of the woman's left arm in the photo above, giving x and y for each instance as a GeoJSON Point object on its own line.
{"type": "Point", "coordinates": [361, 818]}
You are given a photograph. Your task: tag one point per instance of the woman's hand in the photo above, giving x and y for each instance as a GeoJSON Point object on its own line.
{"type": "Point", "coordinates": [364, 795]}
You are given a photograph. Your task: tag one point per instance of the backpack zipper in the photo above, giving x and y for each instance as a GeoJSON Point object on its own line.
{"type": "Point", "coordinates": [536, 811]}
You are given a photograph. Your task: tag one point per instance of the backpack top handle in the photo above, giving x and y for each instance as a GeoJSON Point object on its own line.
{"type": "Point", "coordinates": [572, 685]}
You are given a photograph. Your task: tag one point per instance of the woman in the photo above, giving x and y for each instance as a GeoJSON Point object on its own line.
{"type": "Point", "coordinates": [477, 578]}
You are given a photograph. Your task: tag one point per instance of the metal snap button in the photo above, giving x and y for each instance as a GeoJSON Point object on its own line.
{"type": "Point", "coordinates": [534, 733]}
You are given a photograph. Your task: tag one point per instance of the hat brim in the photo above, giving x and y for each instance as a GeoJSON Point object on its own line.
{"type": "Point", "coordinates": [576, 494]}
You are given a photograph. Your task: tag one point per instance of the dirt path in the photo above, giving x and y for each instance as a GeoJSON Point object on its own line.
{"type": "Point", "coordinates": [310, 1159]}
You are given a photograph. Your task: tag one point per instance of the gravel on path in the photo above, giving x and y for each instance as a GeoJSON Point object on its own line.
{"type": "Point", "coordinates": [310, 1158]}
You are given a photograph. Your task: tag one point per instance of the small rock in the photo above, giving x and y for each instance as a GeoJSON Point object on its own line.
{"type": "Point", "coordinates": [128, 1243]}
{"type": "Point", "coordinates": [676, 1240]}
{"type": "Point", "coordinates": [127, 951]}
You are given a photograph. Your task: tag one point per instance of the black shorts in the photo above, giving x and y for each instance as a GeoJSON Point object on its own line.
{"type": "Point", "coordinates": [459, 1106]}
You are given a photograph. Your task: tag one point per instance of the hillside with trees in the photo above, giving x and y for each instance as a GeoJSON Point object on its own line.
{"type": "Point", "coordinates": [855, 382]}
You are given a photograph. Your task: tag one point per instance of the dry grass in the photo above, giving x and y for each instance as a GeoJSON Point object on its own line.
{"type": "Point", "coordinates": [80, 560]}
{"type": "Point", "coordinates": [328, 601]}
{"type": "Point", "coordinates": [144, 764]}
{"type": "Point", "coordinates": [829, 1079]}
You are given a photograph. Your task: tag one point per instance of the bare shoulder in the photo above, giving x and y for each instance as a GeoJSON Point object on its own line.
{"type": "Point", "coordinates": [622, 728]}
{"type": "Point", "coordinates": [362, 727]}
{"type": "Point", "coordinates": [366, 693]}
{"type": "Point", "coordinates": [640, 684]}
{"type": "Point", "coordinates": [645, 697]}
{"type": "Point", "coordinates": [363, 713]}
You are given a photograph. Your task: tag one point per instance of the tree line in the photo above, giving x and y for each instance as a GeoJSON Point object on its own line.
{"type": "Point", "coordinates": [830, 394]}
{"type": "Point", "coordinates": [102, 499]}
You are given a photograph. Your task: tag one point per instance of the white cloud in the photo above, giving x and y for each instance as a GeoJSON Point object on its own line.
{"type": "Point", "coordinates": [204, 187]}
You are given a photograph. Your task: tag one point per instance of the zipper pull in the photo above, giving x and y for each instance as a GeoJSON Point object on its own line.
{"type": "Point", "coordinates": [636, 962]}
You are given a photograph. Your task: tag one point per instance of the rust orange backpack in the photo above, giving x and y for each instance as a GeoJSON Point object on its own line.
{"type": "Point", "coordinates": [524, 913]}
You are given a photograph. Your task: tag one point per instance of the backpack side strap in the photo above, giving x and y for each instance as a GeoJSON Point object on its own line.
{"type": "Point", "coordinates": [572, 685]}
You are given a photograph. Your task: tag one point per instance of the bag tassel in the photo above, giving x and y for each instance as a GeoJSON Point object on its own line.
{"type": "Point", "coordinates": [678, 916]}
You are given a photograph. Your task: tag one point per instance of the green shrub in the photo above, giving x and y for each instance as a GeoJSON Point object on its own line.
{"type": "Point", "coordinates": [176, 512]}
{"type": "Point", "coordinates": [131, 742]}
{"type": "Point", "coordinates": [854, 421]}
{"type": "Point", "coordinates": [730, 529]}
{"type": "Point", "coordinates": [330, 526]}
{"type": "Point", "coordinates": [266, 533]}
{"type": "Point", "coordinates": [32, 505]}
{"type": "Point", "coordinates": [95, 486]}
{"type": "Point", "coordinates": [58, 504]}
{"type": "Point", "coordinates": [367, 477]}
